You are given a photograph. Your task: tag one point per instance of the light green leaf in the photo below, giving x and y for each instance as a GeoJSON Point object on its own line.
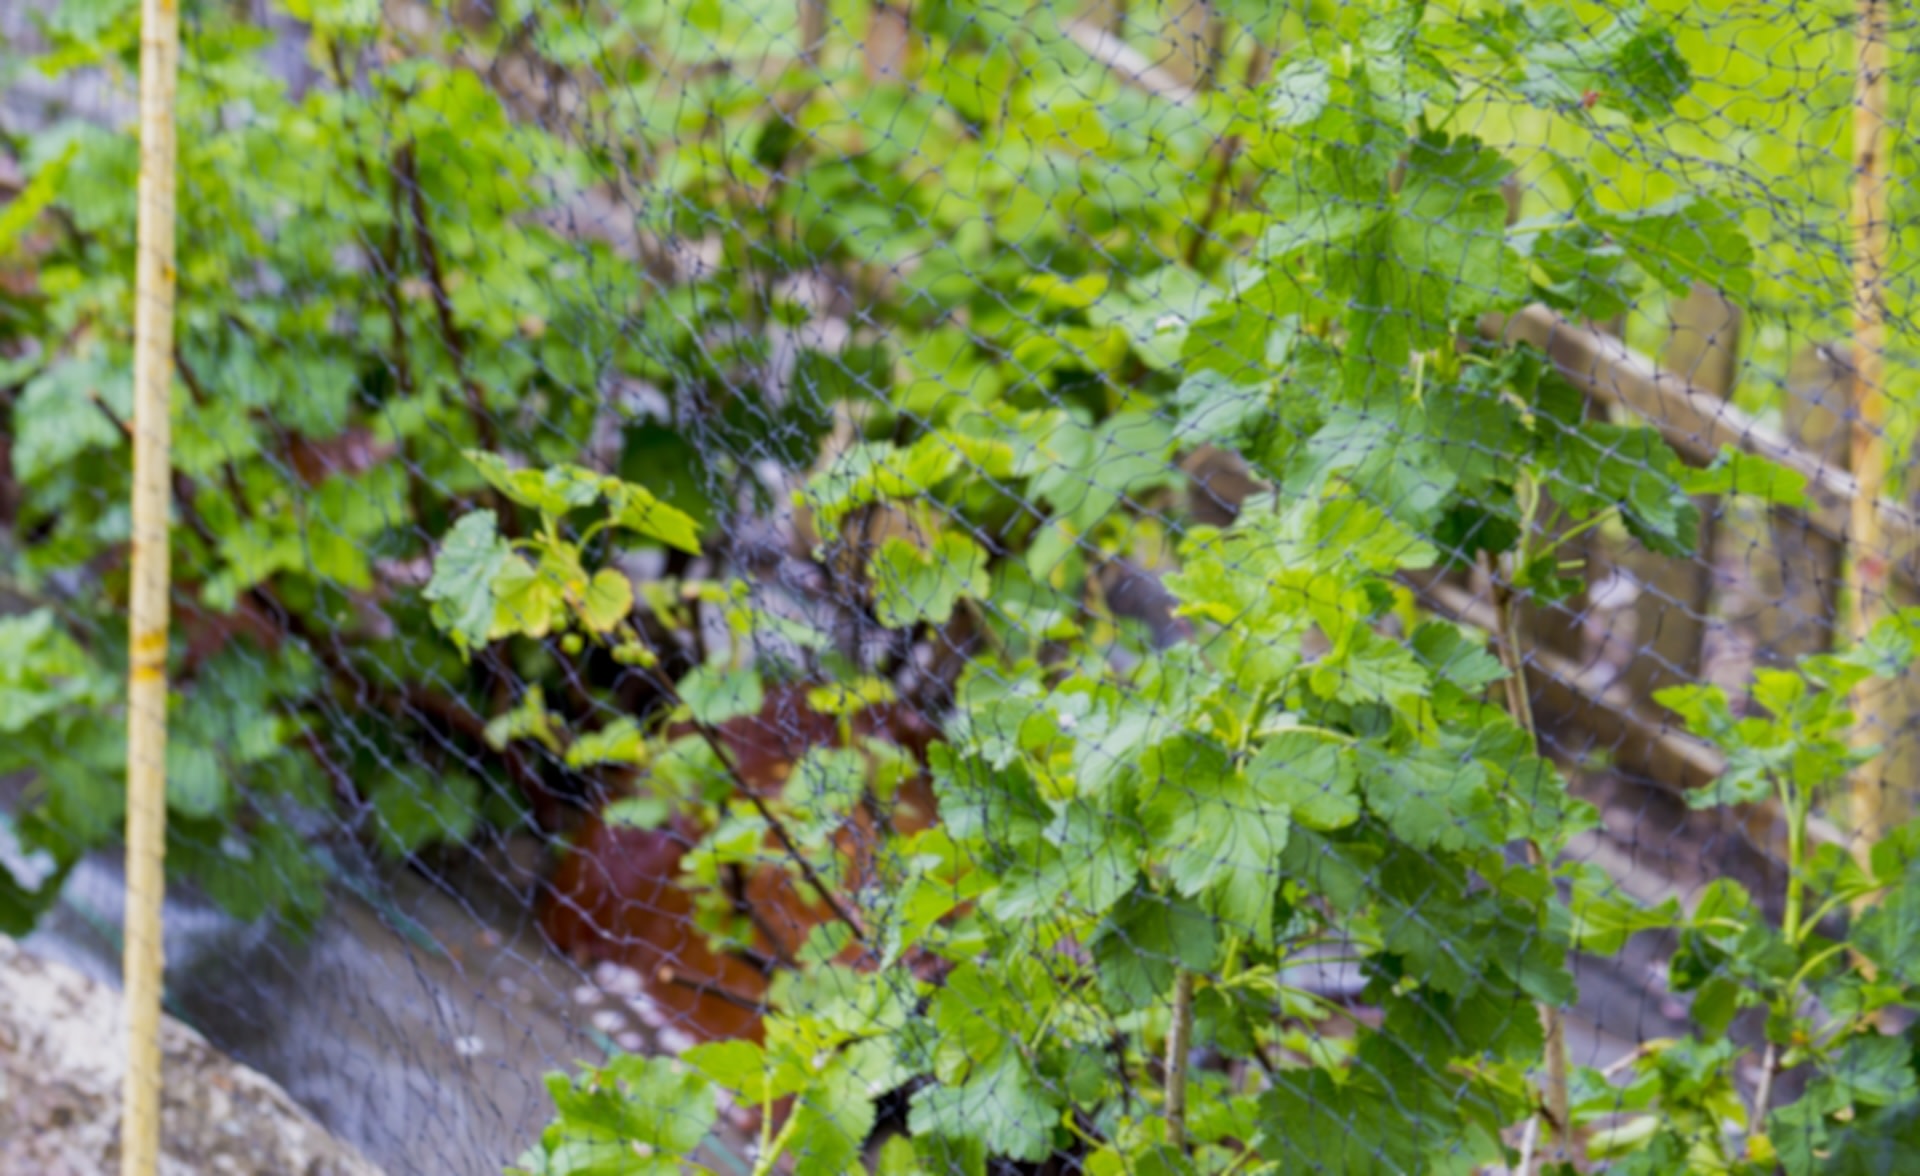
{"type": "Point", "coordinates": [1314, 777]}
{"type": "Point", "coordinates": [911, 584]}
{"type": "Point", "coordinates": [1004, 1109]}
{"type": "Point", "coordinates": [1299, 93]}
{"type": "Point", "coordinates": [1685, 240]}
{"type": "Point", "coordinates": [619, 742]}
{"type": "Point", "coordinates": [714, 695]}
{"type": "Point", "coordinates": [608, 600]}
{"type": "Point", "coordinates": [636, 509]}
{"type": "Point", "coordinates": [470, 559]}
{"type": "Point", "coordinates": [1734, 472]}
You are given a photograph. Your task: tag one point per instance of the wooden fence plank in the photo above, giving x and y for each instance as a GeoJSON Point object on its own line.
{"type": "Point", "coordinates": [1676, 597]}
{"type": "Point", "coordinates": [1695, 423]}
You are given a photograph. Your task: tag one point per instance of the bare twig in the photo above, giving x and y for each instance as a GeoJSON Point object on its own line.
{"type": "Point", "coordinates": [1179, 1046]}
{"type": "Point", "coordinates": [711, 737]}
{"type": "Point", "coordinates": [1763, 1094]}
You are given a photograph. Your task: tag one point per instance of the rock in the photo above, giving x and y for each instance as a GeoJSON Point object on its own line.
{"type": "Point", "coordinates": [60, 1074]}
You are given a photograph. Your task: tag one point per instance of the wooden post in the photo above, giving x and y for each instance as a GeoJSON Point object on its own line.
{"type": "Point", "coordinates": [1670, 613]}
{"type": "Point", "coordinates": [1878, 715]}
{"type": "Point", "coordinates": [1796, 587]}
{"type": "Point", "coordinates": [147, 672]}
{"type": "Point", "coordinates": [1190, 43]}
{"type": "Point", "coordinates": [889, 34]}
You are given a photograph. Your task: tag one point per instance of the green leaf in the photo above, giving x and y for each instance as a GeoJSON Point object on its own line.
{"type": "Point", "coordinates": [715, 695]}
{"type": "Point", "coordinates": [1685, 240]}
{"type": "Point", "coordinates": [528, 599]}
{"type": "Point", "coordinates": [552, 492]}
{"type": "Point", "coordinates": [412, 812]}
{"type": "Point", "coordinates": [1628, 63]}
{"type": "Point", "coordinates": [197, 782]}
{"type": "Point", "coordinates": [1214, 407]}
{"type": "Point", "coordinates": [1604, 917]}
{"type": "Point", "coordinates": [1734, 472]}
{"type": "Point", "coordinates": [1889, 932]}
{"type": "Point", "coordinates": [872, 472]}
{"type": "Point", "coordinates": [1430, 797]}
{"type": "Point", "coordinates": [470, 559]}
{"type": "Point", "coordinates": [607, 601]}
{"type": "Point", "coordinates": [1586, 274]}
{"type": "Point", "coordinates": [43, 672]}
{"type": "Point", "coordinates": [1314, 778]}
{"type": "Point", "coordinates": [1221, 833]}
{"type": "Point", "coordinates": [1873, 1071]}
{"type": "Point", "coordinates": [636, 509]}
{"type": "Point", "coordinates": [648, 1102]}
{"type": "Point", "coordinates": [1600, 467]}
{"type": "Point", "coordinates": [911, 584]}
{"type": "Point", "coordinates": [1299, 92]}
{"type": "Point", "coordinates": [834, 1117]}
{"type": "Point", "coordinates": [31, 201]}
{"type": "Point", "coordinates": [1320, 204]}
{"type": "Point", "coordinates": [66, 411]}
{"type": "Point", "coordinates": [619, 742]}
{"type": "Point", "coordinates": [20, 906]}
{"type": "Point", "coordinates": [1003, 1109]}
{"type": "Point", "coordinates": [1453, 657]}
{"type": "Point", "coordinates": [1144, 941]}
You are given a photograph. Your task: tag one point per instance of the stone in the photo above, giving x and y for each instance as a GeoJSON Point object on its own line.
{"type": "Point", "coordinates": [61, 1051]}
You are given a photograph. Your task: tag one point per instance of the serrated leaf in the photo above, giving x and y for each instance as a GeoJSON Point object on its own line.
{"type": "Point", "coordinates": [527, 599]}
{"type": "Point", "coordinates": [1299, 92]}
{"type": "Point", "coordinates": [1004, 1109]}
{"type": "Point", "coordinates": [1144, 941]}
{"type": "Point", "coordinates": [1313, 777]}
{"type": "Point", "coordinates": [912, 585]}
{"type": "Point", "coordinates": [1430, 797]}
{"type": "Point", "coordinates": [465, 568]}
{"type": "Point", "coordinates": [553, 491]}
{"type": "Point", "coordinates": [607, 600]}
{"type": "Point", "coordinates": [714, 695]}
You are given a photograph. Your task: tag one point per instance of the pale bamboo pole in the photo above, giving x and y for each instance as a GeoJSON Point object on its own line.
{"type": "Point", "coordinates": [1868, 568]}
{"type": "Point", "coordinates": [147, 657]}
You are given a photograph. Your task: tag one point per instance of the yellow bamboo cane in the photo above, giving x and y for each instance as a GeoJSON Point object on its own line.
{"type": "Point", "coordinates": [147, 675]}
{"type": "Point", "coordinates": [1867, 569]}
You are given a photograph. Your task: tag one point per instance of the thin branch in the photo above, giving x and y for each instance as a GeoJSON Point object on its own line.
{"type": "Point", "coordinates": [1229, 152]}
{"type": "Point", "coordinates": [407, 172]}
{"type": "Point", "coordinates": [736, 883]}
{"type": "Point", "coordinates": [1763, 1094]}
{"type": "Point", "coordinates": [705, 987]}
{"type": "Point", "coordinates": [1179, 1047]}
{"type": "Point", "coordinates": [792, 848]}
{"type": "Point", "coordinates": [1558, 1097]}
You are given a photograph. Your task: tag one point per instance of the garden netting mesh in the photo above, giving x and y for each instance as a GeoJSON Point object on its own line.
{"type": "Point", "coordinates": [994, 587]}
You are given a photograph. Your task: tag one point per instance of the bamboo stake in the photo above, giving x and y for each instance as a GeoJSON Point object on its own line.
{"type": "Point", "coordinates": [147, 680]}
{"type": "Point", "coordinates": [1867, 570]}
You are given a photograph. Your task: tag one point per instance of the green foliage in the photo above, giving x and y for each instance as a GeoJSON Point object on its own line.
{"type": "Point", "coordinates": [1308, 776]}
{"type": "Point", "coordinates": [410, 487]}
{"type": "Point", "coordinates": [1824, 995]}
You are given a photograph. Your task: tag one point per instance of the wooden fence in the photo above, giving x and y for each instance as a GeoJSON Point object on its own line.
{"type": "Point", "coordinates": [1685, 395]}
